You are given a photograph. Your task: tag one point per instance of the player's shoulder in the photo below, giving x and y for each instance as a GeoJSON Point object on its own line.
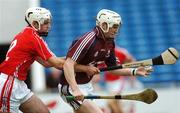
{"type": "Point", "coordinates": [28, 35]}
{"type": "Point", "coordinates": [29, 31]}
{"type": "Point", "coordinates": [87, 35]}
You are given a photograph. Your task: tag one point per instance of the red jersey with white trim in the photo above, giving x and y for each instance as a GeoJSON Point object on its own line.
{"type": "Point", "coordinates": [122, 55]}
{"type": "Point", "coordinates": [91, 49]}
{"type": "Point", "coordinates": [25, 47]}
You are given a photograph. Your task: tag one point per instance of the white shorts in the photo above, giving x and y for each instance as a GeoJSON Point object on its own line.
{"type": "Point", "coordinates": [13, 93]}
{"type": "Point", "coordinates": [65, 90]}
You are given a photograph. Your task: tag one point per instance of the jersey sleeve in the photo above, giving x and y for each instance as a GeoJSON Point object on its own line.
{"type": "Point", "coordinates": [79, 47]}
{"type": "Point", "coordinates": [42, 49]}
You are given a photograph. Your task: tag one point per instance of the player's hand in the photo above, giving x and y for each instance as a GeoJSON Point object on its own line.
{"type": "Point", "coordinates": [144, 71]}
{"type": "Point", "coordinates": [149, 69]}
{"type": "Point", "coordinates": [91, 70]}
{"type": "Point", "coordinates": [78, 95]}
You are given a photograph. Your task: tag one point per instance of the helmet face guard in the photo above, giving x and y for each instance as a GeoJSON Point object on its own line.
{"type": "Point", "coordinates": [109, 17]}
{"type": "Point", "coordinates": [38, 14]}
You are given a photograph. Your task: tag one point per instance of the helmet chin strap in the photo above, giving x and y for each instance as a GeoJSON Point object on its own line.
{"type": "Point", "coordinates": [105, 31]}
{"type": "Point", "coordinates": [43, 34]}
{"type": "Point", "coordinates": [35, 27]}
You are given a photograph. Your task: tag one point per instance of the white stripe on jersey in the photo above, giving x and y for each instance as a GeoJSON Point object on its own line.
{"type": "Point", "coordinates": [7, 88]}
{"type": "Point", "coordinates": [39, 38]}
{"type": "Point", "coordinates": [6, 92]}
{"type": "Point", "coordinates": [82, 45]}
{"type": "Point", "coordinates": [48, 48]}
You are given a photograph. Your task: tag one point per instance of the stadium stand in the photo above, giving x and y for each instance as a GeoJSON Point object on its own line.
{"type": "Point", "coordinates": [149, 27]}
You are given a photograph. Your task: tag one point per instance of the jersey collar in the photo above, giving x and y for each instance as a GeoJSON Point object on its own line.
{"type": "Point", "coordinates": [99, 32]}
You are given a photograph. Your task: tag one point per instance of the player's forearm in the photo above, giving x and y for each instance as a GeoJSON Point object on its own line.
{"type": "Point", "coordinates": [69, 74]}
{"type": "Point", "coordinates": [43, 62]}
{"type": "Point", "coordinates": [80, 68]}
{"type": "Point", "coordinates": [56, 62]}
{"type": "Point", "coordinates": [123, 72]}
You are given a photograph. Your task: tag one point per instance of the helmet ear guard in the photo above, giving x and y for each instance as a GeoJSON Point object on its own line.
{"type": "Point", "coordinates": [109, 17]}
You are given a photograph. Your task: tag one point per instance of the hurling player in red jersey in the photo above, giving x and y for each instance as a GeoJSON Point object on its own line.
{"type": "Point", "coordinates": [94, 47]}
{"type": "Point", "coordinates": [28, 46]}
{"type": "Point", "coordinates": [117, 84]}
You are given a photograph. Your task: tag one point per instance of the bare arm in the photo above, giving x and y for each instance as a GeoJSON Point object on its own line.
{"type": "Point", "coordinates": [70, 77]}
{"type": "Point", "coordinates": [69, 73]}
{"type": "Point", "coordinates": [89, 70]}
{"type": "Point", "coordinates": [56, 62]}
{"type": "Point", "coordinates": [124, 72]}
{"type": "Point", "coordinates": [43, 62]}
{"type": "Point", "coordinates": [53, 61]}
{"type": "Point", "coordinates": [142, 71]}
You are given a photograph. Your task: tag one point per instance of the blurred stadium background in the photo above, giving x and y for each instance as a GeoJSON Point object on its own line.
{"type": "Point", "coordinates": [149, 27]}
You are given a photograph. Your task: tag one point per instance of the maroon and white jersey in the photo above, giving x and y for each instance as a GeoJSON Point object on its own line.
{"type": "Point", "coordinates": [91, 49]}
{"type": "Point", "coordinates": [24, 49]}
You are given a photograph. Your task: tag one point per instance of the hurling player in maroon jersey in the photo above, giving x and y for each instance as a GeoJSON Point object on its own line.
{"type": "Point", "coordinates": [28, 46]}
{"type": "Point", "coordinates": [93, 48]}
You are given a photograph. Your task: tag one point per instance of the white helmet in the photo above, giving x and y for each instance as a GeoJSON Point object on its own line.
{"type": "Point", "coordinates": [109, 17]}
{"type": "Point", "coordinates": [37, 14]}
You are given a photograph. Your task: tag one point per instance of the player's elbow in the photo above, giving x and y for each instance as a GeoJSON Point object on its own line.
{"type": "Point", "coordinates": [60, 65]}
{"type": "Point", "coordinates": [56, 62]}
{"type": "Point", "coordinates": [68, 63]}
